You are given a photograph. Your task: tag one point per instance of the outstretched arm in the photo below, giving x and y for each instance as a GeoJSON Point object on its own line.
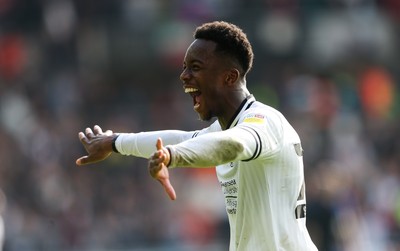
{"type": "Point", "coordinates": [99, 145]}
{"type": "Point", "coordinates": [216, 148]}
{"type": "Point", "coordinates": [143, 145]}
{"type": "Point", "coordinates": [204, 151]}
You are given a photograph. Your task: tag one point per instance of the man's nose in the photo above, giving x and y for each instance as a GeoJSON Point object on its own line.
{"type": "Point", "coordinates": [184, 75]}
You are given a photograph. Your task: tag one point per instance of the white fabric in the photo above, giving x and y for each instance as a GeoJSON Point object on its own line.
{"type": "Point", "coordinates": [143, 144]}
{"type": "Point", "coordinates": [260, 168]}
{"type": "Point", "coordinates": [206, 150]}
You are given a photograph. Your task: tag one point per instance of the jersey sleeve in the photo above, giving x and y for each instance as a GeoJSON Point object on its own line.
{"type": "Point", "coordinates": [143, 144]}
{"type": "Point", "coordinates": [213, 149]}
{"type": "Point", "coordinates": [258, 134]}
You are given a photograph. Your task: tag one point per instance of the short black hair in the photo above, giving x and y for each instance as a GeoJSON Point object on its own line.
{"type": "Point", "coordinates": [230, 39]}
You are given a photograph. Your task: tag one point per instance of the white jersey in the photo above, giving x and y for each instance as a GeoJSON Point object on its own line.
{"type": "Point", "coordinates": [259, 164]}
{"type": "Point", "coordinates": [264, 195]}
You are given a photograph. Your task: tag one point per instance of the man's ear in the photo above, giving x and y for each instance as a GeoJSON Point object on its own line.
{"type": "Point", "coordinates": [232, 76]}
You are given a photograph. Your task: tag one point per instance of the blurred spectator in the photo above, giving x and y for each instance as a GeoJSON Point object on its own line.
{"type": "Point", "coordinates": [12, 56]}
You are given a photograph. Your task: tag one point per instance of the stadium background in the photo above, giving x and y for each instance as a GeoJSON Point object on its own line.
{"type": "Point", "coordinates": [331, 66]}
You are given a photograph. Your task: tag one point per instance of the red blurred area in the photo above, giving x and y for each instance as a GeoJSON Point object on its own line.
{"type": "Point", "coordinates": [12, 55]}
{"type": "Point", "coordinates": [376, 92]}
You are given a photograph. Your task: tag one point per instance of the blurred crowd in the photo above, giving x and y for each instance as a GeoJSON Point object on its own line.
{"type": "Point", "coordinates": [330, 66]}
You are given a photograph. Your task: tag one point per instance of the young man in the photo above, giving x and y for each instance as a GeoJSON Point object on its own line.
{"type": "Point", "coordinates": [257, 153]}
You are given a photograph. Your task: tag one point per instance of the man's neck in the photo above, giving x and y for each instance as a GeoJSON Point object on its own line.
{"type": "Point", "coordinates": [234, 106]}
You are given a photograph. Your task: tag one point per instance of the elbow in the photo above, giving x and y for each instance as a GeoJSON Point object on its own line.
{"type": "Point", "coordinates": [231, 149]}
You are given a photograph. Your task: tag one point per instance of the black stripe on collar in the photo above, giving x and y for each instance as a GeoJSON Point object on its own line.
{"type": "Point", "coordinates": [240, 109]}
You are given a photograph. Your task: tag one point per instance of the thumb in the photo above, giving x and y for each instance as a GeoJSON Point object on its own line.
{"type": "Point", "coordinates": [169, 189]}
{"type": "Point", "coordinates": [82, 160]}
{"type": "Point", "coordinates": [159, 144]}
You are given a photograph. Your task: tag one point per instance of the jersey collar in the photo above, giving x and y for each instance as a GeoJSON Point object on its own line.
{"type": "Point", "coordinates": [246, 103]}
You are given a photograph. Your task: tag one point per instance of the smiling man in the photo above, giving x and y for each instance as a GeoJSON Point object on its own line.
{"type": "Point", "coordinates": [257, 153]}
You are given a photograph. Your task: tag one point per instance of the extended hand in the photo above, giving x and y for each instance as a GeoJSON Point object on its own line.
{"type": "Point", "coordinates": [98, 145]}
{"type": "Point", "coordinates": [158, 168]}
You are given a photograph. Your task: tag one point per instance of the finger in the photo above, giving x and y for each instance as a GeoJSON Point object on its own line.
{"type": "Point", "coordinates": [89, 133]}
{"type": "Point", "coordinates": [169, 189]}
{"type": "Point", "coordinates": [109, 132]}
{"type": "Point", "coordinates": [82, 138]}
{"type": "Point", "coordinates": [159, 144]}
{"type": "Point", "coordinates": [159, 157]}
{"type": "Point", "coordinates": [97, 130]}
{"type": "Point", "coordinates": [88, 159]}
{"type": "Point", "coordinates": [82, 160]}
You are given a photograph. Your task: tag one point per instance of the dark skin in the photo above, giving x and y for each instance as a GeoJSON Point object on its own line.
{"type": "Point", "coordinates": [217, 77]}
{"type": "Point", "coordinates": [220, 91]}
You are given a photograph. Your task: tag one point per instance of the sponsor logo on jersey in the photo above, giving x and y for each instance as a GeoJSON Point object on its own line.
{"type": "Point", "coordinates": [230, 190]}
{"type": "Point", "coordinates": [254, 118]}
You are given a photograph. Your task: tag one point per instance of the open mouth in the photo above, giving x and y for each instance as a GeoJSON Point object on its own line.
{"type": "Point", "coordinates": [195, 93]}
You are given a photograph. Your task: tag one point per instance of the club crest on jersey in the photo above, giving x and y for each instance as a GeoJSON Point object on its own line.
{"type": "Point", "coordinates": [254, 118]}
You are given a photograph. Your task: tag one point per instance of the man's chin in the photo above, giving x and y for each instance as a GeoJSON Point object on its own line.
{"type": "Point", "coordinates": [205, 117]}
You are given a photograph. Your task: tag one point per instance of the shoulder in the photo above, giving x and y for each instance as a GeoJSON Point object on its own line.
{"type": "Point", "coordinates": [259, 113]}
{"type": "Point", "coordinates": [267, 121]}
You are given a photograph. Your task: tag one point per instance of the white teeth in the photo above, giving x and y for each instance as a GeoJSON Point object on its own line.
{"type": "Point", "coordinates": [191, 89]}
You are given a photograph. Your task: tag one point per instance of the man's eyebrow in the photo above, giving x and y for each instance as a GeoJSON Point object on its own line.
{"type": "Point", "coordinates": [193, 61]}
